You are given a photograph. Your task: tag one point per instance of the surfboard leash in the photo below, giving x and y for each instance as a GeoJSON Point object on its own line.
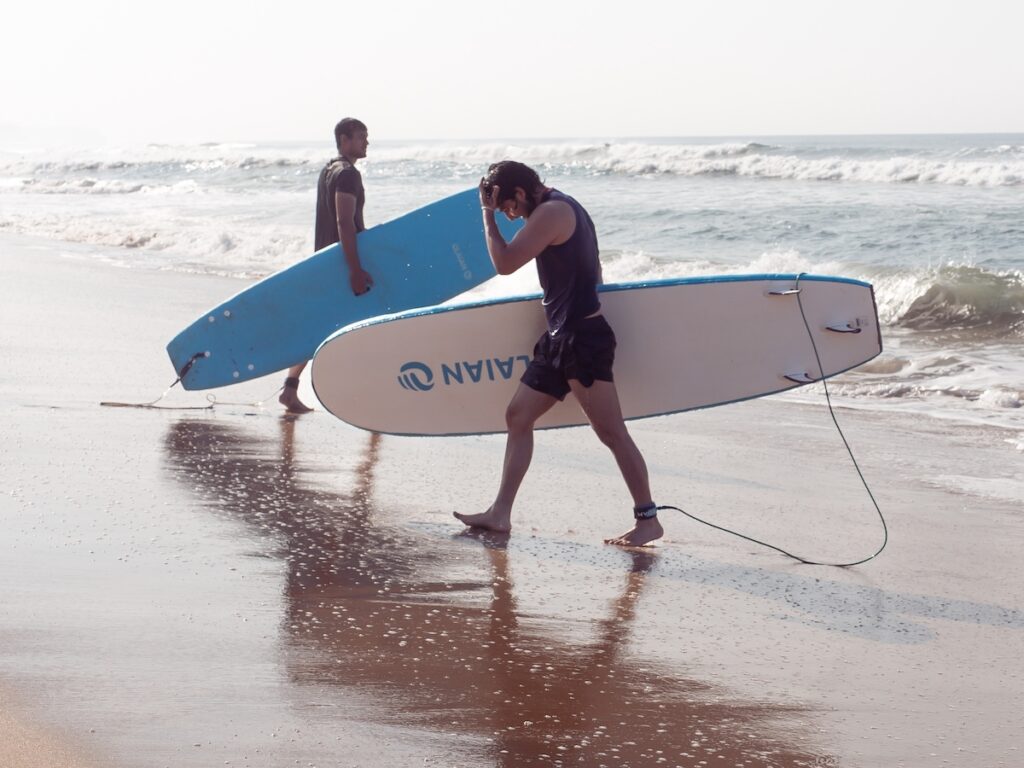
{"type": "Point", "coordinates": [849, 450]}
{"type": "Point", "coordinates": [257, 404]}
{"type": "Point", "coordinates": [211, 399]}
{"type": "Point", "coordinates": [780, 550]}
{"type": "Point", "coordinates": [153, 403]}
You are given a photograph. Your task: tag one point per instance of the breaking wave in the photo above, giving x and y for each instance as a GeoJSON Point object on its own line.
{"type": "Point", "coordinates": [127, 172]}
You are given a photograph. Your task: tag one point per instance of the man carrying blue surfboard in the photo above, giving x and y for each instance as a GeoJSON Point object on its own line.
{"type": "Point", "coordinates": [576, 352]}
{"type": "Point", "coordinates": [339, 218]}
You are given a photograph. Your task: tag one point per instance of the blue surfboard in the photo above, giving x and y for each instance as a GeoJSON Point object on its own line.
{"type": "Point", "coordinates": [420, 259]}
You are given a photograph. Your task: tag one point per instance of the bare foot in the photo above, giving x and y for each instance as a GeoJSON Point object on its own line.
{"type": "Point", "coordinates": [290, 400]}
{"type": "Point", "coordinates": [490, 520]}
{"type": "Point", "coordinates": [641, 534]}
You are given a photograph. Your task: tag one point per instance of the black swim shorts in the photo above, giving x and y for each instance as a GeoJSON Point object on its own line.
{"type": "Point", "coordinates": [585, 354]}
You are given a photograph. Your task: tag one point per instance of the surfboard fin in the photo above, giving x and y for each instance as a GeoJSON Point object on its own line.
{"type": "Point", "coordinates": [787, 292]}
{"type": "Point", "coordinates": [847, 328]}
{"type": "Point", "coordinates": [800, 378]}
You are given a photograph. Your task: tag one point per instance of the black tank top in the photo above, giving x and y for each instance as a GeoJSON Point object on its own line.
{"type": "Point", "coordinates": [570, 273]}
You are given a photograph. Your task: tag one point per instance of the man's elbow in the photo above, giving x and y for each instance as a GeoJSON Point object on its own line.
{"type": "Point", "coordinates": [506, 263]}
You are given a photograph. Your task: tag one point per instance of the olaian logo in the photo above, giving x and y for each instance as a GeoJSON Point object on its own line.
{"type": "Point", "coordinates": [416, 376]}
{"type": "Point", "coordinates": [467, 273]}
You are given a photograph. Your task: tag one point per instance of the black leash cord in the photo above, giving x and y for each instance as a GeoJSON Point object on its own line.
{"type": "Point", "coordinates": [864, 482]}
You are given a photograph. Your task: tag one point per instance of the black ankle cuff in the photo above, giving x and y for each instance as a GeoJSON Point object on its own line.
{"type": "Point", "coordinates": [291, 382]}
{"type": "Point", "coordinates": [646, 512]}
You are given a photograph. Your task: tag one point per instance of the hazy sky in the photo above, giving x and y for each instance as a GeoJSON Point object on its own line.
{"type": "Point", "coordinates": [140, 71]}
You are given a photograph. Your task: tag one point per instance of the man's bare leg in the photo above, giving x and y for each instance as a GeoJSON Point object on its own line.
{"type": "Point", "coordinates": [526, 407]}
{"type": "Point", "coordinates": [600, 402]}
{"type": "Point", "coordinates": [290, 396]}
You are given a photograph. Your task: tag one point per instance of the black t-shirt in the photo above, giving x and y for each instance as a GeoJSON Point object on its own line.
{"type": "Point", "coordinates": [339, 175]}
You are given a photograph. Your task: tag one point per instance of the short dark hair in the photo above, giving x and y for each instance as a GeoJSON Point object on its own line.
{"type": "Point", "coordinates": [509, 174]}
{"type": "Point", "coordinates": [346, 127]}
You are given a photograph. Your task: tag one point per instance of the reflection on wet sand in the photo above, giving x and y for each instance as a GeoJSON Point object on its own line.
{"type": "Point", "coordinates": [379, 613]}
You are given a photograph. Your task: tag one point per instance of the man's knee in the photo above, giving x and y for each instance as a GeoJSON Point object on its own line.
{"type": "Point", "coordinates": [518, 417]}
{"type": "Point", "coordinates": [611, 435]}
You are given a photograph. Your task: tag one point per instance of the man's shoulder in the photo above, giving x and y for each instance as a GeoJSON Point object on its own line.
{"type": "Point", "coordinates": [337, 165]}
{"type": "Point", "coordinates": [340, 169]}
{"type": "Point", "coordinates": [559, 205]}
{"type": "Point", "coordinates": [339, 175]}
{"type": "Point", "coordinates": [555, 216]}
{"type": "Point", "coordinates": [557, 196]}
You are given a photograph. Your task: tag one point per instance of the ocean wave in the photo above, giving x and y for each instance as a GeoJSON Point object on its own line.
{"type": "Point", "coordinates": [901, 170]}
{"type": "Point", "coordinates": [94, 186]}
{"type": "Point", "coordinates": [429, 159]}
{"type": "Point", "coordinates": [968, 383]}
{"type": "Point", "coordinates": [953, 298]}
{"type": "Point", "coordinates": [1000, 166]}
{"type": "Point", "coordinates": [625, 158]}
{"type": "Point", "coordinates": [742, 159]}
{"type": "Point", "coordinates": [1002, 150]}
{"type": "Point", "coordinates": [996, 397]}
{"type": "Point", "coordinates": [216, 248]}
{"type": "Point", "coordinates": [164, 164]}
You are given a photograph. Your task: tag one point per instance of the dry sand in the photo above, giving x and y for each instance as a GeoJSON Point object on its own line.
{"type": "Point", "coordinates": [230, 587]}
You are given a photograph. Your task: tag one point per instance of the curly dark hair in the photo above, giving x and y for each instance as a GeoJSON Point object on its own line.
{"type": "Point", "coordinates": [509, 174]}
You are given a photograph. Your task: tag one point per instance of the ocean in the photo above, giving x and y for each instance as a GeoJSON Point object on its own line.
{"type": "Point", "coordinates": [934, 222]}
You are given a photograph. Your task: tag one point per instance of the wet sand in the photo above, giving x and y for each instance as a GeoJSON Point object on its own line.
{"type": "Point", "coordinates": [227, 586]}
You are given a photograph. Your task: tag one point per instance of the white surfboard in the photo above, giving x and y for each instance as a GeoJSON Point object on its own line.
{"type": "Point", "coordinates": [682, 344]}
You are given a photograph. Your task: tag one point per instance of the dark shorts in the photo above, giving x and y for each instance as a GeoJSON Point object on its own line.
{"type": "Point", "coordinates": [585, 354]}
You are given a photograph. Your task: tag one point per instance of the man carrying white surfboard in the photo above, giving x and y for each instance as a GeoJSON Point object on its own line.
{"type": "Point", "coordinates": [576, 352]}
{"type": "Point", "coordinates": [339, 218]}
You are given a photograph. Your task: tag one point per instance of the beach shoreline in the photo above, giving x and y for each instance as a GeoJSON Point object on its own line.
{"type": "Point", "coordinates": [195, 587]}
